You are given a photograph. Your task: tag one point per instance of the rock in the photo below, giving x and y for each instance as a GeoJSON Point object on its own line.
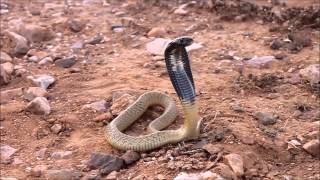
{"type": "Point", "coordinates": [37, 53]}
{"type": "Point", "coordinates": [103, 117]}
{"type": "Point", "coordinates": [56, 128]}
{"type": "Point", "coordinates": [97, 106]}
{"type": "Point", "coordinates": [40, 155]}
{"type": "Point", "coordinates": [237, 108]}
{"type": "Point", "coordinates": [20, 44]}
{"type": "Point", "coordinates": [17, 161]}
{"type": "Point", "coordinates": [38, 170]}
{"type": "Point", "coordinates": [35, 33]}
{"type": "Point", "coordinates": [302, 39]}
{"type": "Point", "coordinates": [39, 105]}
{"type": "Point", "coordinates": [130, 157]}
{"type": "Point", "coordinates": [34, 59]}
{"type": "Point", "coordinates": [243, 133]}
{"type": "Point", "coordinates": [265, 118]}
{"type": "Point", "coordinates": [213, 148]}
{"type": "Point", "coordinates": [106, 163]}
{"type": "Point", "coordinates": [7, 178]}
{"type": "Point", "coordinates": [311, 73]}
{"type": "Point", "coordinates": [313, 147]}
{"type": "Point", "coordinates": [66, 62]}
{"type": "Point", "coordinates": [194, 46]}
{"type": "Point", "coordinates": [6, 152]}
{"type": "Point", "coordinates": [112, 176]}
{"type": "Point", "coordinates": [75, 70]}
{"type": "Point", "coordinates": [46, 61]}
{"type": "Point", "coordinates": [180, 11]}
{"type": "Point", "coordinates": [236, 163]}
{"type": "Point", "coordinates": [10, 94]}
{"type": "Point", "coordinates": [34, 11]}
{"type": "Point", "coordinates": [77, 45]}
{"type": "Point", "coordinates": [95, 40]}
{"type": "Point", "coordinates": [33, 92]}
{"type": "Point", "coordinates": [76, 25]}
{"type": "Point", "coordinates": [260, 62]}
{"type": "Point", "coordinates": [157, 32]}
{"type": "Point", "coordinates": [64, 174]}
{"type": "Point", "coordinates": [4, 76]}
{"type": "Point", "coordinates": [4, 57]}
{"type": "Point", "coordinates": [121, 103]}
{"type": "Point", "coordinates": [8, 67]}
{"type": "Point", "coordinates": [208, 175]}
{"type": "Point", "coordinates": [280, 56]}
{"type": "Point", "coordinates": [61, 154]}
{"type": "Point", "coordinates": [276, 44]}
{"type": "Point", "coordinates": [157, 46]}
{"type": "Point", "coordinates": [43, 80]}
{"type": "Point", "coordinates": [224, 171]}
{"type": "Point", "coordinates": [92, 175]}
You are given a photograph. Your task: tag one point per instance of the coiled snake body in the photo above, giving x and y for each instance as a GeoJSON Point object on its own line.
{"type": "Point", "coordinates": [178, 67]}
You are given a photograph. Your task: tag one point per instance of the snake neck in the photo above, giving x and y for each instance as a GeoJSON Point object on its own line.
{"type": "Point", "coordinates": [191, 125]}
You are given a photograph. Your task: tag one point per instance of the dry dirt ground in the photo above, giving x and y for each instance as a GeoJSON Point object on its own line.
{"type": "Point", "coordinates": [122, 64]}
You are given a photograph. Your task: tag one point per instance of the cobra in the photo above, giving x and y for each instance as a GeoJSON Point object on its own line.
{"type": "Point", "coordinates": [179, 70]}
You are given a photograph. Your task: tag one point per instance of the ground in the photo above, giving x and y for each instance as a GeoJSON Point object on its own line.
{"type": "Point", "coordinates": [122, 63]}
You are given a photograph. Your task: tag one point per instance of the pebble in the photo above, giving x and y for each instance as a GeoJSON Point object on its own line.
{"type": "Point", "coordinates": [39, 105]}
{"type": "Point", "coordinates": [194, 46]}
{"type": "Point", "coordinates": [92, 175]}
{"type": "Point", "coordinates": [237, 108]}
{"type": "Point", "coordinates": [225, 171]}
{"type": "Point", "coordinates": [65, 62]}
{"type": "Point", "coordinates": [40, 155]}
{"type": "Point", "coordinates": [213, 148]}
{"type": "Point", "coordinates": [35, 33]}
{"type": "Point", "coordinates": [207, 175]}
{"type": "Point", "coordinates": [77, 45]}
{"type": "Point", "coordinates": [4, 57]}
{"type": "Point", "coordinates": [34, 59]}
{"type": "Point", "coordinates": [301, 38]}
{"type": "Point", "coordinates": [8, 67]}
{"type": "Point", "coordinates": [21, 46]}
{"type": "Point", "coordinates": [313, 147]}
{"type": "Point", "coordinates": [46, 61]}
{"type": "Point", "coordinates": [265, 118]}
{"type": "Point", "coordinates": [63, 174]}
{"type": "Point", "coordinates": [76, 25]}
{"type": "Point", "coordinates": [97, 106]}
{"type": "Point", "coordinates": [103, 117]}
{"type": "Point", "coordinates": [43, 80]}
{"type": "Point", "coordinates": [75, 70]}
{"type": "Point", "coordinates": [56, 128]}
{"type": "Point", "coordinates": [38, 170]}
{"type": "Point", "coordinates": [276, 44]}
{"type": "Point", "coordinates": [157, 46]}
{"type": "Point", "coordinates": [157, 32]}
{"type": "Point", "coordinates": [61, 154]}
{"type": "Point", "coordinates": [236, 163]}
{"type": "Point", "coordinates": [95, 40]}
{"type": "Point", "coordinates": [311, 73]}
{"type": "Point", "coordinates": [6, 152]}
{"type": "Point", "coordinates": [4, 76]}
{"type": "Point", "coordinates": [105, 162]}
{"type": "Point", "coordinates": [180, 11]}
{"type": "Point", "coordinates": [33, 92]}
{"type": "Point", "coordinates": [113, 175]}
{"type": "Point", "coordinates": [130, 157]}
{"type": "Point", "coordinates": [260, 62]}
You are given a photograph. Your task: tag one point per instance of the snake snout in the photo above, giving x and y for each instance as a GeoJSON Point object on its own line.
{"type": "Point", "coordinates": [184, 41]}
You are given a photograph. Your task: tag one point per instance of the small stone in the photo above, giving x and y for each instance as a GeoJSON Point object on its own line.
{"type": "Point", "coordinates": [130, 157]}
{"type": "Point", "coordinates": [280, 56]}
{"type": "Point", "coordinates": [311, 73]}
{"type": "Point", "coordinates": [39, 105]}
{"type": "Point", "coordinates": [56, 128]}
{"type": "Point", "coordinates": [98, 106]}
{"type": "Point", "coordinates": [265, 118]}
{"type": "Point", "coordinates": [35, 11]}
{"type": "Point", "coordinates": [157, 46]}
{"type": "Point", "coordinates": [237, 108]}
{"type": "Point", "coordinates": [8, 67]}
{"type": "Point", "coordinates": [17, 161]}
{"type": "Point", "coordinates": [103, 117]}
{"type": "Point", "coordinates": [75, 25]}
{"type": "Point", "coordinates": [75, 70]}
{"type": "Point", "coordinates": [6, 152]}
{"type": "Point", "coordinates": [77, 45]}
{"type": "Point", "coordinates": [157, 32]}
{"type": "Point", "coordinates": [302, 38]}
{"type": "Point", "coordinates": [46, 61]}
{"type": "Point", "coordinates": [121, 103]}
{"type": "Point", "coordinates": [236, 163]}
{"type": "Point", "coordinates": [313, 147]}
{"type": "Point", "coordinates": [4, 76]}
{"type": "Point", "coordinates": [43, 81]}
{"type": "Point", "coordinates": [106, 163]}
{"type": "Point", "coordinates": [35, 33]}
{"type": "Point", "coordinates": [181, 11]}
{"type": "Point", "coordinates": [95, 40]}
{"type": "Point", "coordinates": [260, 62]}
{"type": "Point", "coordinates": [224, 171]}
{"type": "Point", "coordinates": [38, 170]}
{"type": "Point", "coordinates": [20, 44]}
{"type": "Point", "coordinates": [194, 46]}
{"type": "Point", "coordinates": [4, 57]}
{"type": "Point", "coordinates": [276, 44]}
{"type": "Point", "coordinates": [207, 175]}
{"type": "Point", "coordinates": [66, 62]}
{"type": "Point", "coordinates": [112, 176]}
{"type": "Point", "coordinates": [213, 148]}
{"type": "Point", "coordinates": [61, 154]}
{"type": "Point", "coordinates": [63, 174]}
{"type": "Point", "coordinates": [40, 155]}
{"type": "Point", "coordinates": [93, 175]}
{"type": "Point", "coordinates": [33, 92]}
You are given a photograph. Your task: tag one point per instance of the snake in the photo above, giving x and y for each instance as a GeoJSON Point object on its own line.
{"type": "Point", "coordinates": [179, 70]}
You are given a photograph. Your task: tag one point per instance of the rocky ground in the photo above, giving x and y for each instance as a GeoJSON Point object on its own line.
{"type": "Point", "coordinates": [67, 71]}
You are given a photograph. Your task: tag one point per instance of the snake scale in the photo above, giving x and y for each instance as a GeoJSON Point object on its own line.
{"type": "Point", "coordinates": [178, 67]}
